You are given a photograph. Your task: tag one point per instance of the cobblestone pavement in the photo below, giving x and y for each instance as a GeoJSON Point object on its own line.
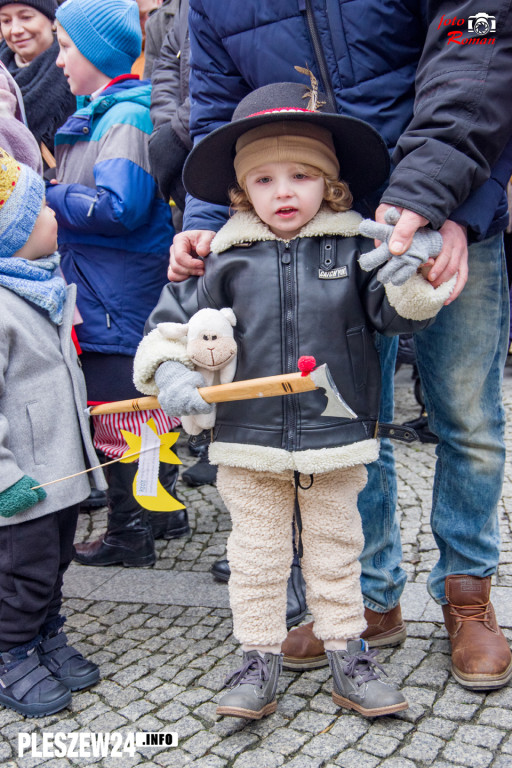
{"type": "Point", "coordinates": [162, 638]}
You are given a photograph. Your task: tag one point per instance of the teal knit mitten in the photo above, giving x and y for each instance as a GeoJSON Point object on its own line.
{"type": "Point", "coordinates": [20, 496]}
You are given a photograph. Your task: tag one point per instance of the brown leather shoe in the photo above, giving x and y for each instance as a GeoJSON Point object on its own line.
{"type": "Point", "coordinates": [302, 650]}
{"type": "Point", "coordinates": [481, 658]}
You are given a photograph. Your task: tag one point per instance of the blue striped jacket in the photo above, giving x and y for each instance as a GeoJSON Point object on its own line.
{"type": "Point", "coordinates": [114, 228]}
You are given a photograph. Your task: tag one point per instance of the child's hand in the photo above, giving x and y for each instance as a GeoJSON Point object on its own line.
{"type": "Point", "coordinates": [20, 496]}
{"type": "Point", "coordinates": [178, 393]}
{"type": "Point", "coordinates": [425, 245]}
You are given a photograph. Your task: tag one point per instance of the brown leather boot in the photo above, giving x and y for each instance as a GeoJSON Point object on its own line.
{"type": "Point", "coordinates": [481, 658]}
{"type": "Point", "coordinates": [384, 629]}
{"type": "Point", "coordinates": [302, 650]}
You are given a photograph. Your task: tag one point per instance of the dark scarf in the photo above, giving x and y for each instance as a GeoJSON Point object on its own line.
{"type": "Point", "coordinates": [46, 95]}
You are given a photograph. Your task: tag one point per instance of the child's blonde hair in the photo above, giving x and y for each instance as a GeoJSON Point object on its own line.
{"type": "Point", "coordinates": [337, 195]}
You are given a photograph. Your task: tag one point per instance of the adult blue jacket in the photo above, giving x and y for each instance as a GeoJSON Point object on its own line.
{"type": "Point", "coordinates": [443, 108]}
{"type": "Point", "coordinates": [114, 228]}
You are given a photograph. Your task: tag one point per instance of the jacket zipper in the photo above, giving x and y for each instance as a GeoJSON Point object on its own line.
{"type": "Point", "coordinates": [290, 343]}
{"type": "Point", "coordinates": [320, 58]}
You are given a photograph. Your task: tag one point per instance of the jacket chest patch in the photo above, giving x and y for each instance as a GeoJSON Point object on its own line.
{"type": "Point", "coordinates": [332, 274]}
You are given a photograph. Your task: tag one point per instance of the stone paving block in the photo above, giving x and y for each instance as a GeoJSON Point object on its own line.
{"type": "Point", "coordinates": [233, 745]}
{"type": "Point", "coordinates": [200, 743]}
{"type": "Point", "coordinates": [423, 747]}
{"type": "Point", "coordinates": [481, 736]}
{"type": "Point", "coordinates": [289, 705]}
{"type": "Point", "coordinates": [186, 726]}
{"type": "Point", "coordinates": [312, 722]}
{"type": "Point", "coordinates": [502, 718]}
{"type": "Point", "coordinates": [475, 757]}
{"type": "Point", "coordinates": [177, 758]}
{"type": "Point", "coordinates": [305, 761]}
{"type": "Point", "coordinates": [136, 709]}
{"type": "Point", "coordinates": [349, 729]}
{"type": "Point", "coordinates": [258, 758]}
{"type": "Point", "coordinates": [352, 758]}
{"type": "Point", "coordinates": [304, 685]}
{"type": "Point", "coordinates": [209, 761]}
{"type": "Point", "coordinates": [376, 744]}
{"type": "Point", "coordinates": [324, 746]}
{"type": "Point", "coordinates": [503, 761]}
{"type": "Point", "coordinates": [323, 703]}
{"type": "Point", "coordinates": [398, 762]}
{"type": "Point", "coordinates": [438, 727]}
{"type": "Point", "coordinates": [285, 740]}
{"type": "Point", "coordinates": [165, 693]}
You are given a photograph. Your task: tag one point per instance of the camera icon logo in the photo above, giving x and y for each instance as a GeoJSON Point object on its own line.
{"type": "Point", "coordinates": [482, 23]}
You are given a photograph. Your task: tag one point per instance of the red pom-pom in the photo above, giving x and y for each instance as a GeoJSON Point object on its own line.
{"type": "Point", "coordinates": [306, 364]}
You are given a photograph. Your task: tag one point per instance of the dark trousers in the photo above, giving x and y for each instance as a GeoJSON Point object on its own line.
{"type": "Point", "coordinates": [34, 556]}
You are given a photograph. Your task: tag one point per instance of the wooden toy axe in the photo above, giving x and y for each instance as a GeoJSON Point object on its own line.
{"type": "Point", "coordinates": [268, 386]}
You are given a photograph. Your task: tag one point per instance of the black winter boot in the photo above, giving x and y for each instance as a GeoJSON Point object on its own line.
{"type": "Point", "coordinates": [296, 607]}
{"type": "Point", "coordinates": [66, 663]}
{"type": "Point", "coordinates": [169, 525]}
{"type": "Point", "coordinates": [129, 539]}
{"type": "Point", "coordinates": [27, 686]}
{"type": "Point", "coordinates": [202, 473]}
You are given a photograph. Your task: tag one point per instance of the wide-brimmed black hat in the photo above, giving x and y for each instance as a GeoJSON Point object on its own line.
{"type": "Point", "coordinates": [362, 154]}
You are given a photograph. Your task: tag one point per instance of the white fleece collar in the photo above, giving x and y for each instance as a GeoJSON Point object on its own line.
{"type": "Point", "coordinates": [246, 227]}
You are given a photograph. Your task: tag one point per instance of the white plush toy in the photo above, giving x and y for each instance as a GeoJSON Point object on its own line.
{"type": "Point", "coordinates": [211, 348]}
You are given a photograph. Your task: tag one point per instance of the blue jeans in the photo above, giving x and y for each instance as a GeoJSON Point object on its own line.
{"type": "Point", "coordinates": [460, 359]}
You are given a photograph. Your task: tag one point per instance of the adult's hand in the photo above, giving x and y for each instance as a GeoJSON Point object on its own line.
{"type": "Point", "coordinates": [187, 253]}
{"type": "Point", "coordinates": [453, 257]}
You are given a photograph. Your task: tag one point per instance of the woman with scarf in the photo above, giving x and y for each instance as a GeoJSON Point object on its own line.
{"type": "Point", "coordinates": [29, 51]}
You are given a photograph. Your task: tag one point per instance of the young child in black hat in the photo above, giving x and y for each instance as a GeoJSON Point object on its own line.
{"type": "Point", "coordinates": [44, 436]}
{"type": "Point", "coordinates": [287, 264]}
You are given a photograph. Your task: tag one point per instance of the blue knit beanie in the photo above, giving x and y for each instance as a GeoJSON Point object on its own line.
{"type": "Point", "coordinates": [106, 32]}
{"type": "Point", "coordinates": [21, 200]}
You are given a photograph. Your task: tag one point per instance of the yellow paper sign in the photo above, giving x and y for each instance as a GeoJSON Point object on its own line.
{"type": "Point", "coordinates": [163, 501]}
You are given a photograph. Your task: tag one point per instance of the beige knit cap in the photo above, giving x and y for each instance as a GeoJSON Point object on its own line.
{"type": "Point", "coordinates": [286, 142]}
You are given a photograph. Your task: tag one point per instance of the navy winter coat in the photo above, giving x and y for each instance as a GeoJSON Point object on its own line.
{"type": "Point", "coordinates": [369, 56]}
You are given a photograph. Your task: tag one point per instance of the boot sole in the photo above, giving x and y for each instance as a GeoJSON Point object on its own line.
{"type": "Point", "coordinates": [195, 484]}
{"type": "Point", "coordinates": [295, 664]}
{"type": "Point", "coordinates": [177, 533]}
{"type": "Point", "coordinates": [80, 683]}
{"type": "Point", "coordinates": [146, 562]}
{"type": "Point", "coordinates": [378, 712]}
{"type": "Point", "coordinates": [36, 710]}
{"type": "Point", "coordinates": [249, 714]}
{"type": "Point", "coordinates": [388, 639]}
{"type": "Point", "coordinates": [481, 682]}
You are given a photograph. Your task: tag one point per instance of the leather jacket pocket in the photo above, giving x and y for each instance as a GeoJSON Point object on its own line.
{"type": "Point", "coordinates": [357, 342]}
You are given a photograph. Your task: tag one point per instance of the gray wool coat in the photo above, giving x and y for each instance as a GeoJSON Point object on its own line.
{"type": "Point", "coordinates": [44, 428]}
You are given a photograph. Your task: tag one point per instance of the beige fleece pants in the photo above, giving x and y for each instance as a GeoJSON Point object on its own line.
{"type": "Point", "coordinates": [260, 551]}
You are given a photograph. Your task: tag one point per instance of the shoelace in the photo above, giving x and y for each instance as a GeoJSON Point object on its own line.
{"type": "Point", "coordinates": [363, 665]}
{"type": "Point", "coordinates": [481, 614]}
{"type": "Point", "coordinates": [253, 670]}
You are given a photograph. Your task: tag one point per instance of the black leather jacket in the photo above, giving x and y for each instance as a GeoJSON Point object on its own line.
{"type": "Point", "coordinates": [304, 297]}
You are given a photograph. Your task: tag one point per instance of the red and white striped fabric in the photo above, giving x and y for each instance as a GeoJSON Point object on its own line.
{"type": "Point", "coordinates": [107, 429]}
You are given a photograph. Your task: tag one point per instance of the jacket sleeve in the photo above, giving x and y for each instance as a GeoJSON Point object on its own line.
{"type": "Point", "coordinates": [170, 143]}
{"type": "Point", "coordinates": [165, 92]}
{"type": "Point", "coordinates": [122, 199]}
{"type": "Point", "coordinates": [214, 80]}
{"type": "Point", "coordinates": [10, 472]}
{"type": "Point", "coordinates": [462, 114]}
